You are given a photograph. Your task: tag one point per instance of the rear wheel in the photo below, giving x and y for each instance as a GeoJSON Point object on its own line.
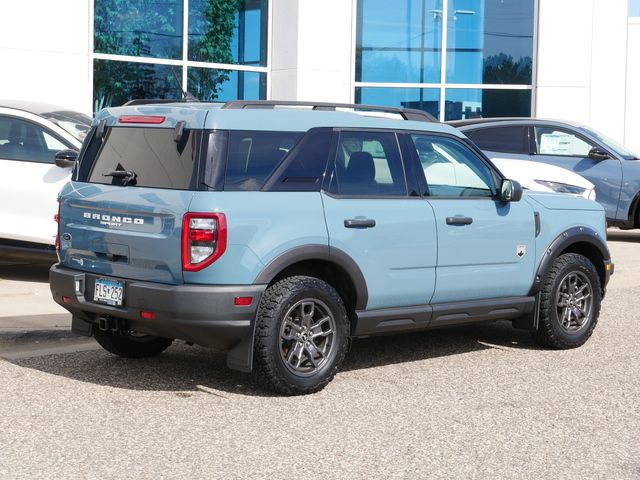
{"type": "Point", "coordinates": [301, 336]}
{"type": "Point", "coordinates": [569, 302]}
{"type": "Point", "coordinates": [132, 344]}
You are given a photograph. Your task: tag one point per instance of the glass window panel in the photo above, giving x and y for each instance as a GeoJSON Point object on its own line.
{"type": "Point", "coordinates": [451, 169]}
{"type": "Point", "coordinates": [490, 41]}
{"type": "Point", "coordinates": [634, 8]}
{"type": "Point", "coordinates": [555, 141]}
{"type": "Point", "coordinates": [232, 32]}
{"type": "Point", "coordinates": [426, 99]}
{"type": "Point", "coordinates": [402, 43]}
{"type": "Point", "coordinates": [368, 163]}
{"type": "Point", "coordinates": [26, 141]}
{"type": "Point", "coordinates": [140, 28]}
{"type": "Point", "coordinates": [115, 83]}
{"type": "Point", "coordinates": [501, 139]}
{"type": "Point", "coordinates": [209, 84]}
{"type": "Point", "coordinates": [465, 103]}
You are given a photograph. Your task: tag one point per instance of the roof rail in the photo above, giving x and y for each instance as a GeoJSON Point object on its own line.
{"type": "Point", "coordinates": [405, 113]}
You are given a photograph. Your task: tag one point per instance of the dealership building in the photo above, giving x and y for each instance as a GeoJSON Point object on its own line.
{"type": "Point", "coordinates": [567, 59]}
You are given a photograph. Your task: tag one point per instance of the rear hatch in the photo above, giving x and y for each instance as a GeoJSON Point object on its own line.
{"type": "Point", "coordinates": [122, 215]}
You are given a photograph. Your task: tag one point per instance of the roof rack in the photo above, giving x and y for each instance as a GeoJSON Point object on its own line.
{"type": "Point", "coordinates": [405, 113]}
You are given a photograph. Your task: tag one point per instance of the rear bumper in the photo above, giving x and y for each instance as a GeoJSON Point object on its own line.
{"type": "Point", "coordinates": [201, 314]}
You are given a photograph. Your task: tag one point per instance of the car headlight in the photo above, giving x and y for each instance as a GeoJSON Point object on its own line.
{"type": "Point", "coordinates": [562, 187]}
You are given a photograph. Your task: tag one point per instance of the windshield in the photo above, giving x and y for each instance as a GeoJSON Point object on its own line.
{"type": "Point", "coordinates": [612, 145]}
{"type": "Point", "coordinates": [76, 123]}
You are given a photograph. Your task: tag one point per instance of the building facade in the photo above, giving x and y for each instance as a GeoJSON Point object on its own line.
{"type": "Point", "coordinates": [568, 59]}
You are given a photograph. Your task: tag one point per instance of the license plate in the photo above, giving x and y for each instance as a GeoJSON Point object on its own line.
{"type": "Point", "coordinates": [110, 292]}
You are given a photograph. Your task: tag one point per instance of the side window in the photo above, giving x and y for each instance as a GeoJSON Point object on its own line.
{"type": "Point", "coordinates": [253, 155]}
{"type": "Point", "coordinates": [303, 168]}
{"type": "Point", "coordinates": [556, 141]}
{"type": "Point", "coordinates": [26, 141]}
{"type": "Point", "coordinates": [368, 163]}
{"type": "Point", "coordinates": [451, 169]}
{"type": "Point", "coordinates": [501, 139]}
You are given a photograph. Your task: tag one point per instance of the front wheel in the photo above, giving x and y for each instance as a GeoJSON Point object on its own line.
{"type": "Point", "coordinates": [569, 302]}
{"type": "Point", "coordinates": [132, 344]}
{"type": "Point", "coordinates": [302, 335]}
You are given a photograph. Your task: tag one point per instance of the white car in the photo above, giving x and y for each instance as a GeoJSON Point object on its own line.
{"type": "Point", "coordinates": [30, 136]}
{"type": "Point", "coordinates": [541, 177]}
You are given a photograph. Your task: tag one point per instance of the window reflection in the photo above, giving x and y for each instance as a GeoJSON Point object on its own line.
{"type": "Point", "coordinates": [490, 41]}
{"type": "Point", "coordinates": [209, 84]}
{"type": "Point", "coordinates": [141, 28]}
{"type": "Point", "coordinates": [426, 99]}
{"type": "Point", "coordinates": [399, 44]}
{"type": "Point", "coordinates": [465, 103]}
{"type": "Point", "coordinates": [115, 83]}
{"type": "Point", "coordinates": [223, 31]}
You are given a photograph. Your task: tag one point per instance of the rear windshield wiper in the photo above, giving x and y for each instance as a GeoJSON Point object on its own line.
{"type": "Point", "coordinates": [129, 177]}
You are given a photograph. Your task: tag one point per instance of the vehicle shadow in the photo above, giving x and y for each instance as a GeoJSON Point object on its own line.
{"type": "Point", "coordinates": [25, 272]}
{"type": "Point", "coordinates": [185, 370]}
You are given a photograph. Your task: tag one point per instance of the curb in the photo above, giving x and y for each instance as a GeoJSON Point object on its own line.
{"type": "Point", "coordinates": [34, 336]}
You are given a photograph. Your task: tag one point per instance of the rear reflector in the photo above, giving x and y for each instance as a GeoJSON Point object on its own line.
{"type": "Point", "coordinates": [147, 315]}
{"type": "Point", "coordinates": [204, 239]}
{"type": "Point", "coordinates": [242, 301]}
{"type": "Point", "coordinates": [152, 119]}
{"type": "Point", "coordinates": [66, 299]}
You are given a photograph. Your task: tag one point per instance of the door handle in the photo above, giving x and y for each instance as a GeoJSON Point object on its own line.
{"type": "Point", "coordinates": [459, 220]}
{"type": "Point", "coordinates": [360, 223]}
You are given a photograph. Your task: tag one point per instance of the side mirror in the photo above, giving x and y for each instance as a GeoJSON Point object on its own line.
{"type": "Point", "coordinates": [510, 191]}
{"type": "Point", "coordinates": [66, 158]}
{"type": "Point", "coordinates": [597, 154]}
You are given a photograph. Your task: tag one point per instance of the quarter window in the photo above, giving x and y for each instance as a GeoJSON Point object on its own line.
{"type": "Point", "coordinates": [501, 139]}
{"type": "Point", "coordinates": [555, 141]}
{"type": "Point", "coordinates": [368, 163]}
{"type": "Point", "coordinates": [451, 169]}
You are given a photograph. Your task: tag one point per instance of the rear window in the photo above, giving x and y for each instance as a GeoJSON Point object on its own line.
{"type": "Point", "coordinates": [501, 139]}
{"type": "Point", "coordinates": [145, 157]}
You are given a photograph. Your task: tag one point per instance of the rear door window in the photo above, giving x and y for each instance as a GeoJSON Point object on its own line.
{"type": "Point", "coordinates": [368, 164]}
{"type": "Point", "coordinates": [513, 139]}
{"type": "Point", "coordinates": [146, 157]}
{"type": "Point", "coordinates": [25, 141]}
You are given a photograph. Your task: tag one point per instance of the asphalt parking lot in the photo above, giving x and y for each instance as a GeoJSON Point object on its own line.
{"type": "Point", "coordinates": [472, 402]}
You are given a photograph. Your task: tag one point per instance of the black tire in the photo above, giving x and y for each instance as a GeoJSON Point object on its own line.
{"type": "Point", "coordinates": [566, 319]}
{"type": "Point", "coordinates": [130, 345]}
{"type": "Point", "coordinates": [285, 337]}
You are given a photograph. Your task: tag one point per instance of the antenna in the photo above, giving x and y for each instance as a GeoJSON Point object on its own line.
{"type": "Point", "coordinates": [186, 96]}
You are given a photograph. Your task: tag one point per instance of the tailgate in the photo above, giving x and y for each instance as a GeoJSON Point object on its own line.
{"type": "Point", "coordinates": [131, 233]}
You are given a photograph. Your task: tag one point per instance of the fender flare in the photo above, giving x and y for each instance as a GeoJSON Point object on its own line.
{"type": "Point", "coordinates": [562, 242]}
{"type": "Point", "coordinates": [318, 252]}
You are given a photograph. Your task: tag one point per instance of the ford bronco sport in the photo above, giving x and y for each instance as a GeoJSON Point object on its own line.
{"type": "Point", "coordinates": [279, 234]}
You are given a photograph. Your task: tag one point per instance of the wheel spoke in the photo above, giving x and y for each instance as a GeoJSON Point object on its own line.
{"type": "Point", "coordinates": [584, 297]}
{"type": "Point", "coordinates": [307, 309]}
{"type": "Point", "coordinates": [316, 330]}
{"type": "Point", "coordinates": [296, 351]}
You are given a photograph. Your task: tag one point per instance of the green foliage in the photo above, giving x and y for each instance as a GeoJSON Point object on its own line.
{"type": "Point", "coordinates": [503, 69]}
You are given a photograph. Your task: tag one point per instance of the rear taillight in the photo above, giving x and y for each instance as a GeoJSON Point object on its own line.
{"type": "Point", "coordinates": [204, 239]}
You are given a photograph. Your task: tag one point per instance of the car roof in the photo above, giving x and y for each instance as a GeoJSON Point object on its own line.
{"type": "Point", "coordinates": [212, 116]}
{"type": "Point", "coordinates": [471, 122]}
{"type": "Point", "coordinates": [37, 108]}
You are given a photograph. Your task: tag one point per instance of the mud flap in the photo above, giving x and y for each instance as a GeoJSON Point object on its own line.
{"type": "Point", "coordinates": [80, 327]}
{"type": "Point", "coordinates": [240, 357]}
{"type": "Point", "coordinates": [530, 320]}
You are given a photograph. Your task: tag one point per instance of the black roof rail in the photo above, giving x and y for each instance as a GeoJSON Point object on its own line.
{"type": "Point", "coordinates": [405, 113]}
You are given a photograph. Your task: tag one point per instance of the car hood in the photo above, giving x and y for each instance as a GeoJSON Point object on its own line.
{"type": "Point", "coordinates": [526, 173]}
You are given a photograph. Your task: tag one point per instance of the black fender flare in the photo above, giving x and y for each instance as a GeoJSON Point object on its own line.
{"type": "Point", "coordinates": [562, 242]}
{"type": "Point", "coordinates": [318, 252]}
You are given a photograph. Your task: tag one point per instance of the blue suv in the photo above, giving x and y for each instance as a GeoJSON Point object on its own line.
{"type": "Point", "coordinates": [279, 234]}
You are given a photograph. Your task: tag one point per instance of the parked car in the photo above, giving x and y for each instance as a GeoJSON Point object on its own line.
{"type": "Point", "coordinates": [531, 175]}
{"type": "Point", "coordinates": [30, 136]}
{"type": "Point", "coordinates": [542, 177]}
{"type": "Point", "coordinates": [612, 168]}
{"type": "Point", "coordinates": [279, 234]}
